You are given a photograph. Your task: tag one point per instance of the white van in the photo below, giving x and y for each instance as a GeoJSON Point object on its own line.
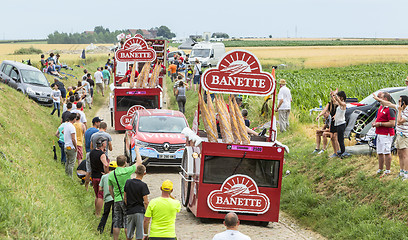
{"type": "Point", "coordinates": [207, 53]}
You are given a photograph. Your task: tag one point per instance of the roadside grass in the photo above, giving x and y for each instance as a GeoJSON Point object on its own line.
{"type": "Point", "coordinates": [39, 200]}
{"type": "Point", "coordinates": [340, 199]}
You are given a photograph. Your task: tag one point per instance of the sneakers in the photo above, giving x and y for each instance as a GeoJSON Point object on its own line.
{"type": "Point", "coordinates": [316, 151]}
{"type": "Point", "coordinates": [401, 173]}
{"type": "Point", "coordinates": [333, 155]}
{"type": "Point", "coordinates": [379, 171]}
{"type": "Point", "coordinates": [345, 154]}
{"type": "Point", "coordinates": [321, 151]}
{"type": "Point", "coordinates": [386, 173]}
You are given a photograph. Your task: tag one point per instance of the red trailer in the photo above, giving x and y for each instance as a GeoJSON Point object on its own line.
{"type": "Point", "coordinates": [217, 177]}
{"type": "Point", "coordinates": [125, 99]}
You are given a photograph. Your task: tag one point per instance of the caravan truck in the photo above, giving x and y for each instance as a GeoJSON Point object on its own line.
{"type": "Point", "coordinates": [126, 99]}
{"type": "Point", "coordinates": [207, 53]}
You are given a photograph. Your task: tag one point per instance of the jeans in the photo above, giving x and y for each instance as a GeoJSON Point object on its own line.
{"type": "Point", "coordinates": [106, 209]}
{"type": "Point", "coordinates": [56, 107]}
{"type": "Point", "coordinates": [340, 137]}
{"type": "Point", "coordinates": [69, 164]}
{"type": "Point", "coordinates": [63, 157]}
{"type": "Point", "coordinates": [181, 101]}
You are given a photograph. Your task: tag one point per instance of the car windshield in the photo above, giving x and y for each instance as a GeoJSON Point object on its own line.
{"type": "Point", "coordinates": [161, 124]}
{"type": "Point", "coordinates": [369, 99]}
{"type": "Point", "coordinates": [34, 77]}
{"type": "Point", "coordinates": [200, 53]}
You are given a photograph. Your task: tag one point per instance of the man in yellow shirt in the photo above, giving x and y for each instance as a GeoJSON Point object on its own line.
{"type": "Point", "coordinates": [162, 212]}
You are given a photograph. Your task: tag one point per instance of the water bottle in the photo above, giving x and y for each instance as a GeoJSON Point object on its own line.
{"type": "Point", "coordinates": [320, 103]}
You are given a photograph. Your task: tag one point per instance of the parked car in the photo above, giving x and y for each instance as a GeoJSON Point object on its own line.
{"type": "Point", "coordinates": [359, 116]}
{"type": "Point", "coordinates": [28, 80]}
{"type": "Point", "coordinates": [170, 56]}
{"type": "Point", "coordinates": [157, 132]}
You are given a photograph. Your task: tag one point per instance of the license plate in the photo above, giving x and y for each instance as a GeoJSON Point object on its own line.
{"type": "Point", "coordinates": [43, 99]}
{"type": "Point", "coordinates": [165, 156]}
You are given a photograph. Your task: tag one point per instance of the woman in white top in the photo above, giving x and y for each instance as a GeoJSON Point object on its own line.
{"type": "Point", "coordinates": [340, 119]}
{"type": "Point", "coordinates": [56, 98]}
{"type": "Point", "coordinates": [401, 140]}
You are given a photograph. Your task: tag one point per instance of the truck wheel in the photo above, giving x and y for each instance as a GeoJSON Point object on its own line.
{"type": "Point", "coordinates": [263, 224]}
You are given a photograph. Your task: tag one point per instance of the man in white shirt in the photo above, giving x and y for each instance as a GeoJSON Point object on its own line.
{"type": "Point", "coordinates": [70, 144]}
{"type": "Point", "coordinates": [99, 80]}
{"type": "Point", "coordinates": [231, 222]}
{"type": "Point", "coordinates": [283, 108]}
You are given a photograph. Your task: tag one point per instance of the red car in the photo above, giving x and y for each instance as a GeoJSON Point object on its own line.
{"type": "Point", "coordinates": [157, 132]}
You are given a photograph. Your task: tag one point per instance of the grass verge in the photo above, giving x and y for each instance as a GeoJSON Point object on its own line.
{"type": "Point", "coordinates": [38, 200]}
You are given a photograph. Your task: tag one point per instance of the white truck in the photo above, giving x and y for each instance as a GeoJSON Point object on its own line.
{"type": "Point", "coordinates": [207, 53]}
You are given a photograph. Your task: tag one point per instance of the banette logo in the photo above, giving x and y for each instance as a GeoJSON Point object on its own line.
{"type": "Point", "coordinates": [125, 119]}
{"type": "Point", "coordinates": [135, 49]}
{"type": "Point", "coordinates": [239, 72]}
{"type": "Point", "coordinates": [238, 193]}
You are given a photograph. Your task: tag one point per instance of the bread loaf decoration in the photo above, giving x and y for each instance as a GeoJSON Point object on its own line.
{"type": "Point", "coordinates": [241, 123]}
{"type": "Point", "coordinates": [211, 110]}
{"type": "Point", "coordinates": [224, 120]}
{"type": "Point", "coordinates": [234, 124]}
{"type": "Point", "coordinates": [145, 76]}
{"type": "Point", "coordinates": [155, 75]}
{"type": "Point", "coordinates": [205, 117]}
{"type": "Point", "coordinates": [132, 75]}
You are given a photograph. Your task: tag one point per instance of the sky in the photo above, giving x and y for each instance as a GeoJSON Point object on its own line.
{"type": "Point", "coordinates": [28, 19]}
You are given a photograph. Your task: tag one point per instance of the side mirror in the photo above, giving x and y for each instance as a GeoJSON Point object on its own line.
{"type": "Point", "coordinates": [15, 79]}
{"type": "Point", "coordinates": [212, 55]}
{"type": "Point", "coordinates": [129, 127]}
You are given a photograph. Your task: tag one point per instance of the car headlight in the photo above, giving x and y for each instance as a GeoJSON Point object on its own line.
{"type": "Point", "coordinates": [141, 143]}
{"type": "Point", "coordinates": [30, 91]}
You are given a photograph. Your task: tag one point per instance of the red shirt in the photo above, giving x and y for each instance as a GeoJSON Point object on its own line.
{"type": "Point", "coordinates": [129, 72]}
{"type": "Point", "coordinates": [384, 114]}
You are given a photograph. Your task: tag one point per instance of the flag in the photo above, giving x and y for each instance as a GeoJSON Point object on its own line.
{"type": "Point", "coordinates": [128, 36]}
{"type": "Point", "coordinates": [120, 36]}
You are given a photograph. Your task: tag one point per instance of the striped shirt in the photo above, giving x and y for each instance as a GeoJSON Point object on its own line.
{"type": "Point", "coordinates": [403, 128]}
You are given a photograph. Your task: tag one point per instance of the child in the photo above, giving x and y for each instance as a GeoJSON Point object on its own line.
{"type": "Point", "coordinates": [245, 115]}
{"type": "Point", "coordinates": [107, 198]}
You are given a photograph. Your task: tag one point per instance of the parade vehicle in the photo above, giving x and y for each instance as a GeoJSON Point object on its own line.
{"type": "Point", "coordinates": [235, 173]}
{"type": "Point", "coordinates": [157, 133]}
{"type": "Point", "coordinates": [129, 91]}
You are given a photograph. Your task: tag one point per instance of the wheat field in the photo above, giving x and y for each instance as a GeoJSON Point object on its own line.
{"type": "Point", "coordinates": [293, 57]}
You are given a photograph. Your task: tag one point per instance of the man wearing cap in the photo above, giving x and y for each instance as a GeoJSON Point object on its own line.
{"type": "Point", "coordinates": [162, 212]}
{"type": "Point", "coordinates": [117, 180]}
{"type": "Point", "coordinates": [96, 121]}
{"type": "Point", "coordinates": [107, 198]}
{"type": "Point", "coordinates": [99, 166]}
{"type": "Point", "coordinates": [283, 107]}
{"type": "Point", "coordinates": [102, 133]}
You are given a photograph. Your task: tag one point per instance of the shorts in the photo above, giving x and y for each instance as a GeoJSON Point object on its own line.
{"type": "Point", "coordinates": [333, 129]}
{"type": "Point", "coordinates": [196, 79]}
{"type": "Point", "coordinates": [119, 215]}
{"type": "Point", "coordinates": [88, 98]}
{"type": "Point", "coordinates": [106, 81]}
{"type": "Point", "coordinates": [95, 185]}
{"type": "Point", "coordinates": [100, 86]}
{"type": "Point", "coordinates": [384, 143]}
{"type": "Point", "coordinates": [135, 222]}
{"type": "Point", "coordinates": [173, 76]}
{"type": "Point", "coordinates": [401, 142]}
{"type": "Point", "coordinates": [80, 153]}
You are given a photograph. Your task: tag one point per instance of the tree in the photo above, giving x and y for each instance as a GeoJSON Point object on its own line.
{"type": "Point", "coordinates": [139, 31]}
{"type": "Point", "coordinates": [100, 29]}
{"type": "Point", "coordinates": [219, 35]}
{"type": "Point", "coordinates": [165, 32]}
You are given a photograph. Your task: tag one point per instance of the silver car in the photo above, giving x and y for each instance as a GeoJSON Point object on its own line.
{"type": "Point", "coordinates": [28, 80]}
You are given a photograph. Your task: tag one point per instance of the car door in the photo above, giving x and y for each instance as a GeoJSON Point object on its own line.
{"type": "Point", "coordinates": [14, 79]}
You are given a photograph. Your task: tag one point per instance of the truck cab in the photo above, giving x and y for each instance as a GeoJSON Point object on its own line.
{"type": "Point", "coordinates": [207, 53]}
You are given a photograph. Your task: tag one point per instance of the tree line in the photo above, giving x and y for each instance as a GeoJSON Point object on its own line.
{"type": "Point", "coordinates": [102, 35]}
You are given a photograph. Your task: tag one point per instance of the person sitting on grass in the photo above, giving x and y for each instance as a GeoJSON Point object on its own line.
{"type": "Point", "coordinates": [51, 69]}
{"type": "Point", "coordinates": [324, 132]}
